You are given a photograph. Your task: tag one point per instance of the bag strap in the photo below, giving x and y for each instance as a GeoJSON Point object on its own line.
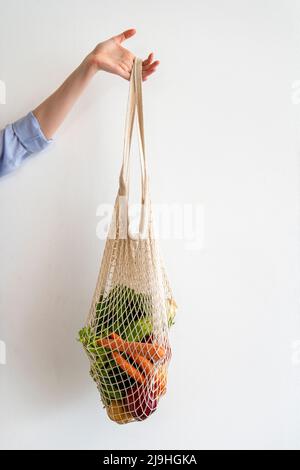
{"type": "Point", "coordinates": [135, 103]}
{"type": "Point", "coordinates": [140, 115]}
{"type": "Point", "coordinates": [135, 106]}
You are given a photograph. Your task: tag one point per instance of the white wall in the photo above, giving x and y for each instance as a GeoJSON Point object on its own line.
{"type": "Point", "coordinates": [222, 131]}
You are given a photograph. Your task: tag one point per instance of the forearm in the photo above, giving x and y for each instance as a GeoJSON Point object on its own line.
{"type": "Point", "coordinates": [52, 112]}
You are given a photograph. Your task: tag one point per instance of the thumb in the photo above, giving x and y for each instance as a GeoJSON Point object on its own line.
{"type": "Point", "coordinates": [125, 35]}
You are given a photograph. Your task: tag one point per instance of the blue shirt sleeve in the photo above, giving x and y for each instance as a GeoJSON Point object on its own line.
{"type": "Point", "coordinates": [19, 140]}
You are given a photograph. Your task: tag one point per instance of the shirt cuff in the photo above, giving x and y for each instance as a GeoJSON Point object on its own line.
{"type": "Point", "coordinates": [29, 133]}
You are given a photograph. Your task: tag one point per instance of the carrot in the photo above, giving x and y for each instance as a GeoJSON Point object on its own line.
{"type": "Point", "coordinates": [119, 341]}
{"type": "Point", "coordinates": [113, 342]}
{"type": "Point", "coordinates": [108, 343]}
{"type": "Point", "coordinates": [160, 376]}
{"type": "Point", "coordinates": [116, 337]}
{"type": "Point", "coordinates": [128, 368]}
{"type": "Point", "coordinates": [149, 350]}
{"type": "Point", "coordinates": [143, 363]}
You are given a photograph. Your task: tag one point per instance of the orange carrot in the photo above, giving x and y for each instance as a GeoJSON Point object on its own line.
{"type": "Point", "coordinates": [119, 341]}
{"type": "Point", "coordinates": [149, 350]}
{"type": "Point", "coordinates": [128, 368]}
{"type": "Point", "coordinates": [113, 342]}
{"type": "Point", "coordinates": [109, 344]}
{"type": "Point", "coordinates": [143, 363]}
{"type": "Point", "coordinates": [116, 337]}
{"type": "Point", "coordinates": [160, 375]}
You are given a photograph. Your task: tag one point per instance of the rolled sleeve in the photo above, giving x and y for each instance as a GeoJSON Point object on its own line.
{"type": "Point", "coordinates": [19, 140]}
{"type": "Point", "coordinates": [29, 133]}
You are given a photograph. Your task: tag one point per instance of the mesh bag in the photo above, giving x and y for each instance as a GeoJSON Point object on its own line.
{"type": "Point", "coordinates": [126, 333]}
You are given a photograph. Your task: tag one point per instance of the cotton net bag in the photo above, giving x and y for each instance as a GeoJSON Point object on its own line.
{"type": "Point", "coordinates": [126, 335]}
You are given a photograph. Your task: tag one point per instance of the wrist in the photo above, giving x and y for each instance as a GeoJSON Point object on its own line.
{"type": "Point", "coordinates": [90, 65]}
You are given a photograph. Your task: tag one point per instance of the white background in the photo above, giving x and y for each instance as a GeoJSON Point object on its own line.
{"type": "Point", "coordinates": [222, 130]}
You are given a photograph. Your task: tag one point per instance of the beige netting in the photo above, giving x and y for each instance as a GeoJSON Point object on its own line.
{"type": "Point", "coordinates": [126, 334]}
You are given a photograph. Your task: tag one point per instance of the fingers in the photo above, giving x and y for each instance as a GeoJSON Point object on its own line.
{"type": "Point", "coordinates": [125, 35]}
{"type": "Point", "coordinates": [146, 75]}
{"type": "Point", "coordinates": [149, 67]}
{"type": "Point", "coordinates": [148, 60]}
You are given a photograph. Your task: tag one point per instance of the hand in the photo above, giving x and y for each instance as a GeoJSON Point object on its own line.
{"type": "Point", "coordinates": [112, 57]}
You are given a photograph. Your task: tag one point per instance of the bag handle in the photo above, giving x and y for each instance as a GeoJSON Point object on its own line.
{"type": "Point", "coordinates": [135, 104]}
{"type": "Point", "coordinates": [140, 115]}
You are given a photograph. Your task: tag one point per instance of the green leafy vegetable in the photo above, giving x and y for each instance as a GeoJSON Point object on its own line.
{"type": "Point", "coordinates": [137, 330]}
{"type": "Point", "coordinates": [129, 314]}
